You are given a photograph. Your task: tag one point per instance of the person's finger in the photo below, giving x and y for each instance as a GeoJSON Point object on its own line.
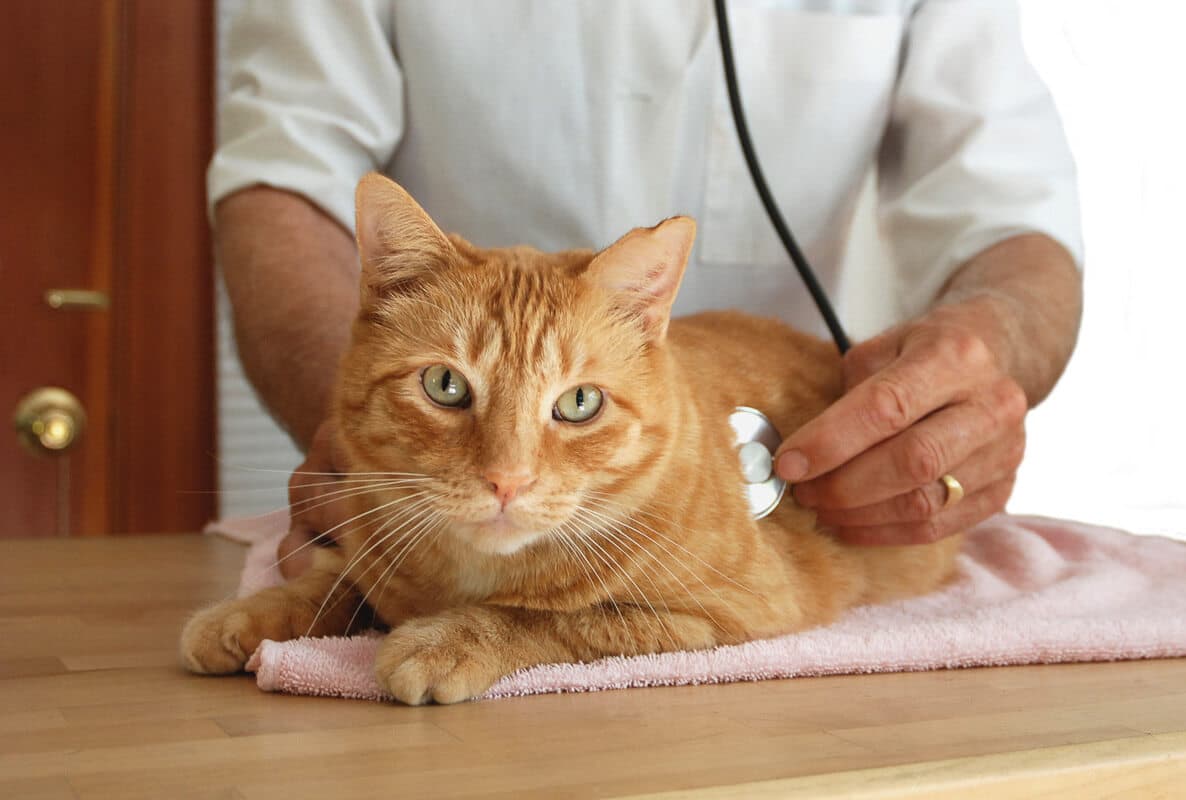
{"type": "Point", "coordinates": [935, 368]}
{"type": "Point", "coordinates": [920, 455]}
{"type": "Point", "coordinates": [880, 407]}
{"type": "Point", "coordinates": [970, 511]}
{"type": "Point", "coordinates": [315, 507]}
{"type": "Point", "coordinates": [314, 494]}
{"type": "Point", "coordinates": [295, 553]}
{"type": "Point", "coordinates": [992, 463]}
{"type": "Point", "coordinates": [315, 472]}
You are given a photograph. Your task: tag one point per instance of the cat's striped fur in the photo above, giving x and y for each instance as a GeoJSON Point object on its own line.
{"type": "Point", "coordinates": [629, 533]}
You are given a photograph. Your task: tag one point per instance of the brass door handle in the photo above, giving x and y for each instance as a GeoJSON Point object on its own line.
{"type": "Point", "coordinates": [49, 420]}
{"type": "Point", "coordinates": [74, 299]}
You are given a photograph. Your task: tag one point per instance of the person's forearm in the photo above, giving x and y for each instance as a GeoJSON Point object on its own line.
{"type": "Point", "coordinates": [1024, 297]}
{"type": "Point", "coordinates": [292, 276]}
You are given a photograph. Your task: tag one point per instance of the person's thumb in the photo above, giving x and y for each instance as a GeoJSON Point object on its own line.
{"type": "Point", "coordinates": [295, 553]}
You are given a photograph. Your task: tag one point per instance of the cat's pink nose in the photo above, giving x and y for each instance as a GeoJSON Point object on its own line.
{"type": "Point", "coordinates": [508, 483]}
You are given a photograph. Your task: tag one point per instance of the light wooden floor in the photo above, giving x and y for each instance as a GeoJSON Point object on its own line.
{"type": "Point", "coordinates": [92, 705]}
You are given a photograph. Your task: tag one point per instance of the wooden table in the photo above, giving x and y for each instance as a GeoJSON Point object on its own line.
{"type": "Point", "coordinates": [93, 705]}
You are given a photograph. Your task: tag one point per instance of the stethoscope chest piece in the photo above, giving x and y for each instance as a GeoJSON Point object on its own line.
{"type": "Point", "coordinates": [756, 440]}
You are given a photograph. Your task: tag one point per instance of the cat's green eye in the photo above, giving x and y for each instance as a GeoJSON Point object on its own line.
{"type": "Point", "coordinates": [445, 386]}
{"type": "Point", "coordinates": [578, 404]}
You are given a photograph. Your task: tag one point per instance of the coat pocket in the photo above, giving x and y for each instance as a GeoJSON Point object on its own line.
{"type": "Point", "coordinates": [816, 87]}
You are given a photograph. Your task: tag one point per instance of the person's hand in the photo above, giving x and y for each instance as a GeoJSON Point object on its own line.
{"type": "Point", "coordinates": [925, 399]}
{"type": "Point", "coordinates": [315, 493]}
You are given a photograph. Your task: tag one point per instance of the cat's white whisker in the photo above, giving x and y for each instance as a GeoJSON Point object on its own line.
{"type": "Point", "coordinates": [279, 561]}
{"type": "Point", "coordinates": [258, 489]}
{"type": "Point", "coordinates": [357, 557]}
{"type": "Point", "coordinates": [348, 473]}
{"type": "Point", "coordinates": [601, 579]}
{"type": "Point", "coordinates": [424, 524]}
{"type": "Point", "coordinates": [647, 532]}
{"type": "Point", "coordinates": [433, 531]}
{"type": "Point", "coordinates": [346, 481]}
{"type": "Point", "coordinates": [348, 492]}
{"type": "Point", "coordinates": [403, 516]}
{"type": "Point", "coordinates": [605, 557]}
{"type": "Point", "coordinates": [376, 509]}
{"type": "Point", "coordinates": [619, 542]}
{"type": "Point", "coordinates": [295, 509]}
{"type": "Point", "coordinates": [397, 519]}
{"type": "Point", "coordinates": [562, 536]}
{"type": "Point", "coordinates": [381, 525]}
{"type": "Point", "coordinates": [608, 505]}
{"type": "Point", "coordinates": [622, 525]}
{"type": "Point", "coordinates": [313, 542]}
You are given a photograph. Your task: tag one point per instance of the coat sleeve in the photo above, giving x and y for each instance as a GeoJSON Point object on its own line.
{"type": "Point", "coordinates": [314, 99]}
{"type": "Point", "coordinates": [974, 152]}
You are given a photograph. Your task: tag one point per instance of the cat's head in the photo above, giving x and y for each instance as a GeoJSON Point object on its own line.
{"type": "Point", "coordinates": [532, 389]}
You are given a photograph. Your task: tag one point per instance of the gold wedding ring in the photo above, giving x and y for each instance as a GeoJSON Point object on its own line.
{"type": "Point", "coordinates": [955, 491]}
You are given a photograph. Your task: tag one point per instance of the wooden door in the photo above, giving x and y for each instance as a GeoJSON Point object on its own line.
{"type": "Point", "coordinates": [105, 131]}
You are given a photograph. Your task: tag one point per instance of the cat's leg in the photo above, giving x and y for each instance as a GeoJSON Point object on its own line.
{"type": "Point", "coordinates": [219, 640]}
{"type": "Point", "coordinates": [458, 654]}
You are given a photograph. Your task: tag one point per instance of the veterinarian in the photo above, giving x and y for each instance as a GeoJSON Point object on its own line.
{"type": "Point", "coordinates": [566, 123]}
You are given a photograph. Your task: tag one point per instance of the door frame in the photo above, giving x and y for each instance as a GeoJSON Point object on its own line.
{"type": "Point", "coordinates": [162, 452]}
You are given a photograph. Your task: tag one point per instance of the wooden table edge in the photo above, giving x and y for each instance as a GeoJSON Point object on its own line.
{"type": "Point", "coordinates": [1147, 763]}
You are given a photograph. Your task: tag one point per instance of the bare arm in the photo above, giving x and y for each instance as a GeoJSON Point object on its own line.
{"type": "Point", "coordinates": [1025, 297]}
{"type": "Point", "coordinates": [292, 276]}
{"type": "Point", "coordinates": [943, 394]}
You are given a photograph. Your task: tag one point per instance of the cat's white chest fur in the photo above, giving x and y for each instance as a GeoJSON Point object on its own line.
{"type": "Point", "coordinates": [473, 581]}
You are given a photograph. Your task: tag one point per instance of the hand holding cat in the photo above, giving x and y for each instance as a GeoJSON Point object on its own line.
{"type": "Point", "coordinates": [311, 498]}
{"type": "Point", "coordinates": [924, 399]}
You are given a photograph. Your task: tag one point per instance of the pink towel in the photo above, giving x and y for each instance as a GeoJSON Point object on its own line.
{"type": "Point", "coordinates": [1028, 591]}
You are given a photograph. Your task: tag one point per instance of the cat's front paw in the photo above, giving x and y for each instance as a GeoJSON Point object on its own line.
{"type": "Point", "coordinates": [445, 659]}
{"type": "Point", "coordinates": [220, 639]}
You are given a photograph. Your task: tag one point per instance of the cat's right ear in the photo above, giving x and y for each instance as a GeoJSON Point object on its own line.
{"type": "Point", "coordinates": [643, 269]}
{"type": "Point", "coordinates": [398, 243]}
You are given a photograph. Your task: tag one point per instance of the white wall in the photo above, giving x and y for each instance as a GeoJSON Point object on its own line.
{"type": "Point", "coordinates": [255, 456]}
{"type": "Point", "coordinates": [1107, 446]}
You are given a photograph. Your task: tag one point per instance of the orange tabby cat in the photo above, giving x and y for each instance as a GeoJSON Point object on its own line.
{"type": "Point", "coordinates": [558, 475]}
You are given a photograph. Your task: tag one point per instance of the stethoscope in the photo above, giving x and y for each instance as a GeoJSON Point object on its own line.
{"type": "Point", "coordinates": [754, 434]}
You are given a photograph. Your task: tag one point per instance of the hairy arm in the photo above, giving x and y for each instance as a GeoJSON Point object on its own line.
{"type": "Point", "coordinates": [944, 393]}
{"type": "Point", "coordinates": [1025, 297]}
{"type": "Point", "coordinates": [292, 276]}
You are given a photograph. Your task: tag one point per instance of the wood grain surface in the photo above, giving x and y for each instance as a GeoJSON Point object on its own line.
{"type": "Point", "coordinates": [93, 705]}
{"type": "Point", "coordinates": [163, 447]}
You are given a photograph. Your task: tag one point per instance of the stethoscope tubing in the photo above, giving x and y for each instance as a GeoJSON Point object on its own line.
{"type": "Point", "coordinates": [768, 202]}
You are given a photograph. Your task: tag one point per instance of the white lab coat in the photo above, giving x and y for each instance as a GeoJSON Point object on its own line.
{"type": "Point", "coordinates": [564, 123]}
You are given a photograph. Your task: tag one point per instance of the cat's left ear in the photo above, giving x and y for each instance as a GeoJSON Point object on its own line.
{"type": "Point", "coordinates": [643, 270]}
{"type": "Point", "coordinates": [398, 243]}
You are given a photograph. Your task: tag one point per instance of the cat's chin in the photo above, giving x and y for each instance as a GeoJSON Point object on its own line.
{"type": "Point", "coordinates": [498, 536]}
